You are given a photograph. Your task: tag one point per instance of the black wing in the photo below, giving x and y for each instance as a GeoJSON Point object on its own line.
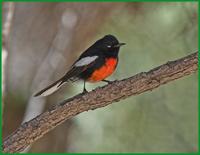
{"type": "Point", "coordinates": [71, 75]}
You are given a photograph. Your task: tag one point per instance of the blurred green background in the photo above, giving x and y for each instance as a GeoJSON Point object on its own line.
{"type": "Point", "coordinates": [44, 40]}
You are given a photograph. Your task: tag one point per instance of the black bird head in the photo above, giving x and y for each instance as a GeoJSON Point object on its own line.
{"type": "Point", "coordinates": [109, 45]}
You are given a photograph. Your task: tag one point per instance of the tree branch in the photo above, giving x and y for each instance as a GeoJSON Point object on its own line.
{"type": "Point", "coordinates": [34, 129]}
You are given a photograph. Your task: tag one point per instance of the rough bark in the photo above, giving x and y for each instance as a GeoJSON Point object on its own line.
{"type": "Point", "coordinates": [34, 129]}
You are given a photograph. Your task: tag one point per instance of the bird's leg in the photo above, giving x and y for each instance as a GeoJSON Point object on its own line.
{"type": "Point", "coordinates": [107, 81]}
{"type": "Point", "coordinates": [84, 89]}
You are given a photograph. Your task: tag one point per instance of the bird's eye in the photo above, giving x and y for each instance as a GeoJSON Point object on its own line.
{"type": "Point", "coordinates": [109, 46]}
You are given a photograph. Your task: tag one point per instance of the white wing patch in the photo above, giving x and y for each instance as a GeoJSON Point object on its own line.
{"type": "Point", "coordinates": [85, 61]}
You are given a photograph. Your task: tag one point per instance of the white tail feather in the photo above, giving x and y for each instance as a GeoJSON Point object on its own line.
{"type": "Point", "coordinates": [53, 87]}
{"type": "Point", "coordinates": [51, 90]}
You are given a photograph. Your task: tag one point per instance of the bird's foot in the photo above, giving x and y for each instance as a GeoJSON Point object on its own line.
{"type": "Point", "coordinates": [84, 91]}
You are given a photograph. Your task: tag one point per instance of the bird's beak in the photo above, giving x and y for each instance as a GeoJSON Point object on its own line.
{"type": "Point", "coordinates": [120, 44]}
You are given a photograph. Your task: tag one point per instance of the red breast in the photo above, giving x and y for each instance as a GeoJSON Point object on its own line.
{"type": "Point", "coordinates": [106, 70]}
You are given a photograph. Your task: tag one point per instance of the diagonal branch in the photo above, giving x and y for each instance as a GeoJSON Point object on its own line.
{"type": "Point", "coordinates": [34, 129]}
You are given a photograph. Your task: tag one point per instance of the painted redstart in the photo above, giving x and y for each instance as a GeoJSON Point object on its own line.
{"type": "Point", "coordinates": [95, 64]}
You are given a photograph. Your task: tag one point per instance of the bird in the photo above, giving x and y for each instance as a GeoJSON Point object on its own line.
{"type": "Point", "coordinates": [95, 64]}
